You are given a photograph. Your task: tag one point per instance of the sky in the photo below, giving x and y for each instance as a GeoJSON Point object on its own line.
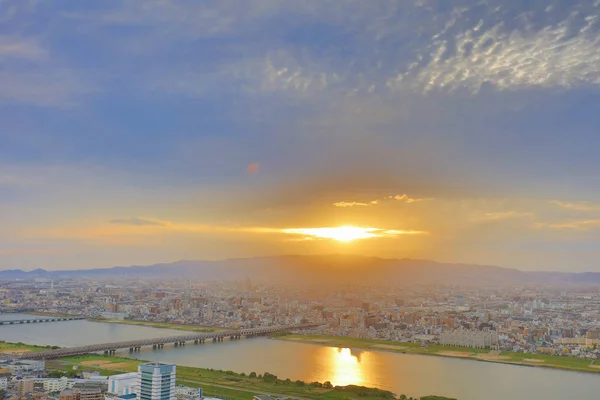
{"type": "Point", "coordinates": [138, 132]}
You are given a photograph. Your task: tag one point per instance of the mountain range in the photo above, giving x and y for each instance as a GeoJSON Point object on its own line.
{"type": "Point", "coordinates": [323, 269]}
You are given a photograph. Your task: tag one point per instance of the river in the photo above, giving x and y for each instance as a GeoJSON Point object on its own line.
{"type": "Point", "coordinates": [413, 375]}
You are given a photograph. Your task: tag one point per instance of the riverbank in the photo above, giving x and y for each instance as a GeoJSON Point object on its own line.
{"type": "Point", "coordinates": [160, 325]}
{"type": "Point", "coordinates": [49, 314]}
{"type": "Point", "coordinates": [22, 348]}
{"type": "Point", "coordinates": [229, 384]}
{"type": "Point", "coordinates": [531, 360]}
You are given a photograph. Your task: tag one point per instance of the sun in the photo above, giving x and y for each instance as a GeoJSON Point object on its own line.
{"type": "Point", "coordinates": [348, 233]}
{"type": "Point", "coordinates": [340, 233]}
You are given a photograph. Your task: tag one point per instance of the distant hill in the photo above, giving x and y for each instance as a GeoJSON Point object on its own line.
{"type": "Point", "coordinates": [339, 269]}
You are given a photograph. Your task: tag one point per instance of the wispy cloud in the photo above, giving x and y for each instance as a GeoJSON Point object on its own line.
{"type": "Point", "coordinates": [9, 252]}
{"type": "Point", "coordinates": [573, 225]}
{"type": "Point", "coordinates": [562, 55]}
{"type": "Point", "coordinates": [354, 204]}
{"type": "Point", "coordinates": [283, 72]}
{"type": "Point", "coordinates": [138, 221]}
{"type": "Point", "coordinates": [10, 9]}
{"type": "Point", "coordinates": [42, 87]}
{"type": "Point", "coordinates": [503, 215]}
{"type": "Point", "coordinates": [20, 48]}
{"type": "Point", "coordinates": [399, 197]}
{"type": "Point", "coordinates": [466, 46]}
{"type": "Point", "coordinates": [577, 206]}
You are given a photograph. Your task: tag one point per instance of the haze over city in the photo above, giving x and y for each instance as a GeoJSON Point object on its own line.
{"type": "Point", "coordinates": [138, 132]}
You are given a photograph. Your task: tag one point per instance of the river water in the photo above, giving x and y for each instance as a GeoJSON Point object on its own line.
{"type": "Point", "coordinates": [413, 375]}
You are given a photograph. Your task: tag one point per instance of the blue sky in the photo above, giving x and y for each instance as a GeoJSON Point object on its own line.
{"type": "Point", "coordinates": [150, 112]}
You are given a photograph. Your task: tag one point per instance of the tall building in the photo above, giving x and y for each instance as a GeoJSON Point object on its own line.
{"type": "Point", "coordinates": [156, 381]}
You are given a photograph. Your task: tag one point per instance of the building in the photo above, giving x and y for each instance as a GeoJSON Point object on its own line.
{"type": "Point", "coordinates": [123, 383]}
{"type": "Point", "coordinates": [90, 394]}
{"type": "Point", "coordinates": [16, 366]}
{"type": "Point", "coordinates": [156, 381]}
{"type": "Point", "coordinates": [69, 394]}
{"type": "Point", "coordinates": [590, 343]}
{"type": "Point", "coordinates": [55, 385]}
{"type": "Point", "coordinates": [188, 393]}
{"type": "Point", "coordinates": [473, 339]}
{"type": "Point", "coordinates": [25, 386]}
{"type": "Point", "coordinates": [90, 390]}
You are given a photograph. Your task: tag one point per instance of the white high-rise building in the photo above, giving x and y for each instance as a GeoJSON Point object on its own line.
{"type": "Point", "coordinates": [156, 381]}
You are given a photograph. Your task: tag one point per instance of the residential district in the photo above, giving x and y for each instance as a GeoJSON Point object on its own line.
{"type": "Point", "coordinates": [152, 381]}
{"type": "Point", "coordinates": [551, 320]}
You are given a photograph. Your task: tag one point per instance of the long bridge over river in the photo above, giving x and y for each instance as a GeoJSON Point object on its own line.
{"type": "Point", "coordinates": [136, 345]}
{"type": "Point", "coordinates": [38, 320]}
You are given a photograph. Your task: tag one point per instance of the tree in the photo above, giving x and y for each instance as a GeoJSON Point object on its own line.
{"type": "Point", "coordinates": [252, 374]}
{"type": "Point", "coordinates": [267, 377]}
{"type": "Point", "coordinates": [327, 385]}
{"type": "Point", "coordinates": [300, 383]}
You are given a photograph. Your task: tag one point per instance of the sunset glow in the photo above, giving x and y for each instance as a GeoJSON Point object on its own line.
{"type": "Point", "coordinates": [346, 233]}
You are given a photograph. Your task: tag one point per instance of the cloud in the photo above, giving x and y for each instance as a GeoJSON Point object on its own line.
{"type": "Point", "coordinates": [11, 9]}
{"type": "Point", "coordinates": [406, 199]}
{"type": "Point", "coordinates": [284, 72]}
{"type": "Point", "coordinates": [574, 225]}
{"type": "Point", "coordinates": [42, 87]}
{"type": "Point", "coordinates": [385, 48]}
{"type": "Point", "coordinates": [350, 204]}
{"type": "Point", "coordinates": [503, 215]}
{"type": "Point", "coordinates": [10, 252]}
{"type": "Point", "coordinates": [347, 233]}
{"type": "Point", "coordinates": [20, 48]}
{"type": "Point", "coordinates": [185, 18]}
{"type": "Point", "coordinates": [577, 206]}
{"type": "Point", "coordinates": [137, 221]}
{"type": "Point", "coordinates": [399, 197]}
{"type": "Point", "coordinates": [564, 54]}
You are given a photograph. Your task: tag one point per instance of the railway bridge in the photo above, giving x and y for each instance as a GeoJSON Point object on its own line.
{"type": "Point", "coordinates": [38, 320]}
{"type": "Point", "coordinates": [136, 345]}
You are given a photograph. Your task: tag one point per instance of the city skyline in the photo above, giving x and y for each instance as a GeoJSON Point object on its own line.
{"type": "Point", "coordinates": [136, 133]}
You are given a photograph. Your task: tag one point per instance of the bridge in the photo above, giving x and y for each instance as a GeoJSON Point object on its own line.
{"type": "Point", "coordinates": [38, 320]}
{"type": "Point", "coordinates": [158, 343]}
{"type": "Point", "coordinates": [39, 309]}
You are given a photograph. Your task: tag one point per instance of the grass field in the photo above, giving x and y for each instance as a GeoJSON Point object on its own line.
{"type": "Point", "coordinates": [536, 360]}
{"type": "Point", "coordinates": [224, 384]}
{"type": "Point", "coordinates": [162, 325]}
{"type": "Point", "coordinates": [8, 348]}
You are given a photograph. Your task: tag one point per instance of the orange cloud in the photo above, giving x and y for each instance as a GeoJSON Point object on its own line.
{"type": "Point", "coordinates": [399, 197]}
{"type": "Point", "coordinates": [347, 233]}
